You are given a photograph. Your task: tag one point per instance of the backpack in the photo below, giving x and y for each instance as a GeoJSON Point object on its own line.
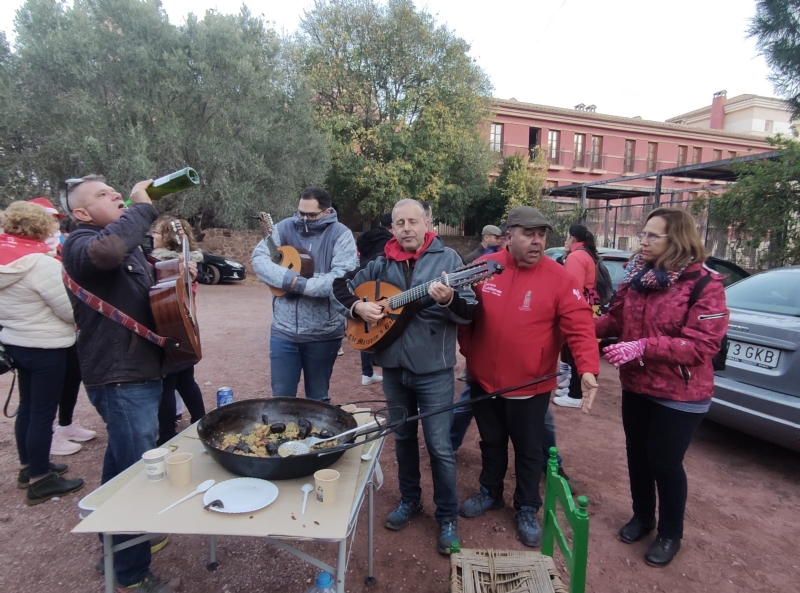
{"type": "Point", "coordinates": [602, 283]}
{"type": "Point", "coordinates": [718, 362]}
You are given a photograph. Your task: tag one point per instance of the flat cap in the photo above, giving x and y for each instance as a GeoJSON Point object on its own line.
{"type": "Point", "coordinates": [527, 217]}
{"type": "Point", "coordinates": [490, 229]}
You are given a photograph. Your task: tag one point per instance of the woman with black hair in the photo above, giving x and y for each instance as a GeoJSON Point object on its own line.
{"type": "Point", "coordinates": [581, 261]}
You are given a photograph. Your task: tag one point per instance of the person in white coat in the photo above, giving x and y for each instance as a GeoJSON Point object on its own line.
{"type": "Point", "coordinates": [37, 330]}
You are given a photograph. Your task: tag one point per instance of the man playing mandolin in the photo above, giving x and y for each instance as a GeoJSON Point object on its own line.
{"type": "Point", "coordinates": [418, 365]}
{"type": "Point", "coordinates": [306, 330]}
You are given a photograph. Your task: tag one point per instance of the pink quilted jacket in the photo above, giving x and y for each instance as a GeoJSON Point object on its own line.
{"type": "Point", "coordinates": [677, 360]}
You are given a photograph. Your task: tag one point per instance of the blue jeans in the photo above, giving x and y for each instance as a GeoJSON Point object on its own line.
{"type": "Point", "coordinates": [314, 359]}
{"type": "Point", "coordinates": [41, 379]}
{"type": "Point", "coordinates": [130, 411]}
{"type": "Point", "coordinates": [414, 393]}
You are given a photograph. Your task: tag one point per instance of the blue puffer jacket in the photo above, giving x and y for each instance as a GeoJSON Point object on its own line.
{"type": "Point", "coordinates": [306, 313]}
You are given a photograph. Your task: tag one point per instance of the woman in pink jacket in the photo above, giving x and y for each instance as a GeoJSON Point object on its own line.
{"type": "Point", "coordinates": [664, 355]}
{"type": "Point", "coordinates": [581, 261]}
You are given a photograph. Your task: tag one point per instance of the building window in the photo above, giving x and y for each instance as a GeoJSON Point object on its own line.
{"type": "Point", "coordinates": [697, 155]}
{"type": "Point", "coordinates": [597, 152]}
{"type": "Point", "coordinates": [652, 156]}
{"type": "Point", "coordinates": [553, 146]}
{"type": "Point", "coordinates": [496, 138]}
{"type": "Point", "coordinates": [768, 126]}
{"type": "Point", "coordinates": [551, 183]}
{"type": "Point", "coordinates": [732, 154]}
{"type": "Point", "coordinates": [682, 150]}
{"type": "Point", "coordinates": [717, 155]}
{"type": "Point", "coordinates": [580, 150]}
{"type": "Point", "coordinates": [630, 155]}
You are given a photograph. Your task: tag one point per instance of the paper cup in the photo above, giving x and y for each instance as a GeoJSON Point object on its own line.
{"type": "Point", "coordinates": [179, 469]}
{"type": "Point", "coordinates": [327, 480]}
{"type": "Point", "coordinates": [155, 464]}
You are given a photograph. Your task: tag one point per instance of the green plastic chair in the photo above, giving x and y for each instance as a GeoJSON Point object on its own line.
{"type": "Point", "coordinates": [557, 490]}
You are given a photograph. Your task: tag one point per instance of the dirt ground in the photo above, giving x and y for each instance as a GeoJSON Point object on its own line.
{"type": "Point", "coordinates": [742, 521]}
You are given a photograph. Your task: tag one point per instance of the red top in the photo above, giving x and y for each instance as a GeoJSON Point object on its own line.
{"type": "Point", "coordinates": [675, 337]}
{"type": "Point", "coordinates": [13, 247]}
{"type": "Point", "coordinates": [523, 317]}
{"type": "Point", "coordinates": [581, 265]}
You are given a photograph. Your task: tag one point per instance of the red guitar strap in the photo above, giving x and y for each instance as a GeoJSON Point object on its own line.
{"type": "Point", "coordinates": [114, 314]}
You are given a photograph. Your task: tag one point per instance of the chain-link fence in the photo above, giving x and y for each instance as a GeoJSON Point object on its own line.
{"type": "Point", "coordinates": [615, 226]}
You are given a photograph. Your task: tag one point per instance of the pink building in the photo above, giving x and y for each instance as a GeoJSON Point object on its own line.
{"type": "Point", "coordinates": [584, 146]}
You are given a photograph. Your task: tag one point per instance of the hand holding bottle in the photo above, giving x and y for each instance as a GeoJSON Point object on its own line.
{"type": "Point", "coordinates": [139, 193]}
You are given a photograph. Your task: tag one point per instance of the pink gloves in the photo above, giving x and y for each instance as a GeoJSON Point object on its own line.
{"type": "Point", "coordinates": [619, 354]}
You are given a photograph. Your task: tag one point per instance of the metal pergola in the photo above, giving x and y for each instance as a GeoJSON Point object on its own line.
{"type": "Point", "coordinates": [714, 172]}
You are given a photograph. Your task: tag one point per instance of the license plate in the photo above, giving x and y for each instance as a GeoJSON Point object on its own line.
{"type": "Point", "coordinates": [759, 356]}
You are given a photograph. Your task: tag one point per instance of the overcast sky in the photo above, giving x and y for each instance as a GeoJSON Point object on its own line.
{"type": "Point", "coordinates": [628, 57]}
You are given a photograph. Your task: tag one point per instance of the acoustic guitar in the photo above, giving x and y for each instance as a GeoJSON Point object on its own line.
{"type": "Point", "coordinates": [293, 258]}
{"type": "Point", "coordinates": [173, 306]}
{"type": "Point", "coordinates": [374, 338]}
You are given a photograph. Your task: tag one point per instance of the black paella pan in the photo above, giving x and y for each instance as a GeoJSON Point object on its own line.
{"type": "Point", "coordinates": [241, 417]}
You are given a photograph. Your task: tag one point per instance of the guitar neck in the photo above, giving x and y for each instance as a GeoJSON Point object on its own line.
{"type": "Point", "coordinates": [416, 293]}
{"type": "Point", "coordinates": [274, 254]}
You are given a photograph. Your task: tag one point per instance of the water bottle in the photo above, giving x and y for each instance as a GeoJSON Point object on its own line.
{"type": "Point", "coordinates": [323, 584]}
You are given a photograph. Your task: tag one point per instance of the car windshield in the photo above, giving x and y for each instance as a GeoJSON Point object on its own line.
{"type": "Point", "coordinates": [770, 292]}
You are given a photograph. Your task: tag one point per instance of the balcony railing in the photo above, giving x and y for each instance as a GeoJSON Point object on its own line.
{"type": "Point", "coordinates": [555, 157]}
{"type": "Point", "coordinates": [598, 160]}
{"type": "Point", "coordinates": [580, 160]}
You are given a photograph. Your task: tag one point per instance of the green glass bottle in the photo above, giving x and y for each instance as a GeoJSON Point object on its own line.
{"type": "Point", "coordinates": [186, 178]}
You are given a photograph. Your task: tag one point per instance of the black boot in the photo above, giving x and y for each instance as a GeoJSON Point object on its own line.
{"type": "Point", "coordinates": [24, 480]}
{"type": "Point", "coordinates": [50, 486]}
{"type": "Point", "coordinates": [634, 530]}
{"type": "Point", "coordinates": [662, 551]}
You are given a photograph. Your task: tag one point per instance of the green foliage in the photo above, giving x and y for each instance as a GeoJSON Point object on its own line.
{"type": "Point", "coordinates": [776, 27]}
{"type": "Point", "coordinates": [402, 103]}
{"type": "Point", "coordinates": [764, 205]}
{"type": "Point", "coordinates": [113, 88]}
{"type": "Point", "coordinates": [522, 180]}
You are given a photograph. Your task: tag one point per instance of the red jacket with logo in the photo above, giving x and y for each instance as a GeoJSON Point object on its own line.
{"type": "Point", "coordinates": [523, 317]}
{"type": "Point", "coordinates": [680, 343]}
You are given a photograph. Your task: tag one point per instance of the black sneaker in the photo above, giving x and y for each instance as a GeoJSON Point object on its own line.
{"type": "Point", "coordinates": [480, 503]}
{"type": "Point", "coordinates": [49, 487]}
{"type": "Point", "coordinates": [402, 515]}
{"type": "Point", "coordinates": [24, 478]}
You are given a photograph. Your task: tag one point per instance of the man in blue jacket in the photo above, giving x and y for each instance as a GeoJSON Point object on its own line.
{"type": "Point", "coordinates": [121, 370]}
{"type": "Point", "coordinates": [306, 329]}
{"type": "Point", "coordinates": [418, 365]}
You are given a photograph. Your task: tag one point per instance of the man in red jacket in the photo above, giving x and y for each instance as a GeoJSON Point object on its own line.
{"type": "Point", "coordinates": [523, 317]}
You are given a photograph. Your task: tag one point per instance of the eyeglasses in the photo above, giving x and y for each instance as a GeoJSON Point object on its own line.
{"type": "Point", "coordinates": [70, 184]}
{"type": "Point", "coordinates": [308, 215]}
{"type": "Point", "coordinates": [650, 236]}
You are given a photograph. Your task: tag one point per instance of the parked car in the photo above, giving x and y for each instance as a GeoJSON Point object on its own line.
{"type": "Point", "coordinates": [215, 269]}
{"type": "Point", "coordinates": [613, 259]}
{"type": "Point", "coordinates": [758, 393]}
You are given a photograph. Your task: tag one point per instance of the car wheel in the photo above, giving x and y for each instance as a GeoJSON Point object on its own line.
{"type": "Point", "coordinates": [209, 275]}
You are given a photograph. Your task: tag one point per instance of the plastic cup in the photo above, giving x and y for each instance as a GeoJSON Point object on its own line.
{"type": "Point", "coordinates": [327, 481]}
{"type": "Point", "coordinates": [155, 464]}
{"type": "Point", "coordinates": [179, 469]}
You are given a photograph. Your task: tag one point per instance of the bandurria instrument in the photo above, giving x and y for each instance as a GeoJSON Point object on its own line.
{"type": "Point", "coordinates": [374, 338]}
{"type": "Point", "coordinates": [172, 302]}
{"type": "Point", "coordinates": [293, 258]}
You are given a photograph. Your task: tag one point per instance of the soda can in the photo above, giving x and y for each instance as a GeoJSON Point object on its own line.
{"type": "Point", "coordinates": [224, 396]}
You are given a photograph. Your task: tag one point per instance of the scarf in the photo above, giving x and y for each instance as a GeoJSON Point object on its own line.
{"type": "Point", "coordinates": [643, 277]}
{"type": "Point", "coordinates": [395, 252]}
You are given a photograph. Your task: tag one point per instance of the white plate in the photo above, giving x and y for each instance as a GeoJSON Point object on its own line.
{"type": "Point", "coordinates": [241, 495]}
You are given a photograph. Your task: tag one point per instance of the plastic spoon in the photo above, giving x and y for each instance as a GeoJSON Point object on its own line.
{"type": "Point", "coordinates": [200, 489]}
{"type": "Point", "coordinates": [306, 488]}
{"type": "Point", "coordinates": [304, 446]}
{"type": "Point", "coordinates": [368, 455]}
